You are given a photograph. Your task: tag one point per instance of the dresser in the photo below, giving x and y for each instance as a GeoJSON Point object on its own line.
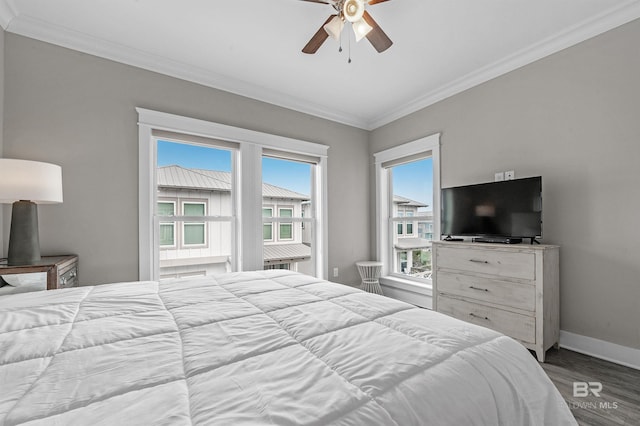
{"type": "Point", "coordinates": [513, 289]}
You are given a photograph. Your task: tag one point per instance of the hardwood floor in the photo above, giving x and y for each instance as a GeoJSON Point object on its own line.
{"type": "Point", "coordinates": [619, 400]}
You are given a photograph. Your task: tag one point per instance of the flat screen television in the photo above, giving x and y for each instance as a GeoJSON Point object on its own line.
{"type": "Point", "coordinates": [505, 211]}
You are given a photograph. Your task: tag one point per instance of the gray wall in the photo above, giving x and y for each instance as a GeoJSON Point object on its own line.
{"type": "Point", "coordinates": [77, 111]}
{"type": "Point", "coordinates": [574, 119]}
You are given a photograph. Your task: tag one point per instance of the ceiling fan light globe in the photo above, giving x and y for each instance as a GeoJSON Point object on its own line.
{"type": "Point", "coordinates": [361, 29]}
{"type": "Point", "coordinates": [353, 10]}
{"type": "Point", "coordinates": [334, 27]}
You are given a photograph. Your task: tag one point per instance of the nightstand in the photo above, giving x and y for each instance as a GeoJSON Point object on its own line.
{"type": "Point", "coordinates": [62, 271]}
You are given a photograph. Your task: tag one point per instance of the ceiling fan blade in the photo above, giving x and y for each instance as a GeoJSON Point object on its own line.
{"type": "Point", "coordinates": [376, 36]}
{"type": "Point", "coordinates": [318, 38]}
{"type": "Point", "coordinates": [371, 2]}
{"type": "Point", "coordinates": [325, 2]}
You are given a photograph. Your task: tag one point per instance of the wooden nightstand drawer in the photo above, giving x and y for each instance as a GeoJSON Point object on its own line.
{"type": "Point", "coordinates": [506, 293]}
{"type": "Point", "coordinates": [61, 271]}
{"type": "Point", "coordinates": [69, 278]}
{"type": "Point", "coordinates": [501, 263]}
{"type": "Point", "coordinates": [521, 327]}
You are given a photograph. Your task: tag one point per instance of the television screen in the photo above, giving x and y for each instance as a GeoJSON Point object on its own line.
{"type": "Point", "coordinates": [510, 208]}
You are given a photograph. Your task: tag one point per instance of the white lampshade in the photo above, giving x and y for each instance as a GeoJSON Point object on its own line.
{"type": "Point", "coordinates": [334, 27]}
{"type": "Point", "coordinates": [361, 29]}
{"type": "Point", "coordinates": [353, 10]}
{"type": "Point", "coordinates": [30, 181]}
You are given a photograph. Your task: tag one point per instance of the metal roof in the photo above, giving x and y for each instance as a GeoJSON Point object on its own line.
{"type": "Point", "coordinates": [408, 202]}
{"type": "Point", "coordinates": [214, 180]}
{"type": "Point", "coordinates": [276, 252]}
{"type": "Point", "coordinates": [412, 243]}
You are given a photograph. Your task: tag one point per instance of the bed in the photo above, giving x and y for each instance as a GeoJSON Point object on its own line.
{"type": "Point", "coordinates": [267, 347]}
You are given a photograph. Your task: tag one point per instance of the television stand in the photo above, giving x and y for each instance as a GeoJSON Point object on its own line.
{"type": "Point", "coordinates": [497, 240]}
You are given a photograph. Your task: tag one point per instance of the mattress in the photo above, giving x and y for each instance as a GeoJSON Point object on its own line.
{"type": "Point", "coordinates": [267, 347]}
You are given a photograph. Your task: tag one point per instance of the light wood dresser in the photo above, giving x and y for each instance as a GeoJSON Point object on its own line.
{"type": "Point", "coordinates": [513, 289]}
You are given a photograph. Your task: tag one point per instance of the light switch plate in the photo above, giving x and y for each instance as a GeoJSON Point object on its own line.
{"type": "Point", "coordinates": [510, 175]}
{"type": "Point", "coordinates": [499, 176]}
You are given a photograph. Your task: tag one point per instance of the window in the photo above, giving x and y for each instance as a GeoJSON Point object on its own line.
{"type": "Point", "coordinates": [286, 229]}
{"type": "Point", "coordinates": [407, 177]}
{"type": "Point", "coordinates": [267, 227]}
{"type": "Point", "coordinates": [286, 266]}
{"type": "Point", "coordinates": [194, 187]}
{"type": "Point", "coordinates": [287, 183]}
{"type": "Point", "coordinates": [167, 229]}
{"type": "Point", "coordinates": [207, 233]}
{"type": "Point", "coordinates": [194, 232]}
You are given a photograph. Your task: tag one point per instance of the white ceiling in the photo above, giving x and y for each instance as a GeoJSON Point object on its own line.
{"type": "Point", "coordinates": [253, 47]}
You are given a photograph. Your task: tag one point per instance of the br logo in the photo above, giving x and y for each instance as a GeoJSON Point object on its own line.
{"type": "Point", "coordinates": [582, 389]}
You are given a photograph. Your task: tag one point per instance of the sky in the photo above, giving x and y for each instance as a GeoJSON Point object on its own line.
{"type": "Point", "coordinates": [415, 181]}
{"type": "Point", "coordinates": [412, 180]}
{"type": "Point", "coordinates": [291, 175]}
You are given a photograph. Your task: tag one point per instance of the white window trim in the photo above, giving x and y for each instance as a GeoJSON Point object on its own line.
{"type": "Point", "coordinates": [383, 194]}
{"type": "Point", "coordinates": [247, 182]}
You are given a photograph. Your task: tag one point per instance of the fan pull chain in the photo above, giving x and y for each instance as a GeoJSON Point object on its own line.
{"type": "Point", "coordinates": [349, 61]}
{"type": "Point", "coordinates": [340, 48]}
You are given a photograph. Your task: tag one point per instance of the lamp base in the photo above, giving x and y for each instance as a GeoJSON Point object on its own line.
{"type": "Point", "coordinates": [24, 243]}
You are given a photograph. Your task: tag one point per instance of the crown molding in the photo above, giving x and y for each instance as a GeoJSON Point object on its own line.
{"type": "Point", "coordinates": [7, 13]}
{"type": "Point", "coordinates": [64, 37]}
{"type": "Point", "coordinates": [608, 20]}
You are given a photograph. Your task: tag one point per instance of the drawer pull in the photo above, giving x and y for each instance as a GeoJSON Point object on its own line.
{"type": "Point", "coordinates": [478, 316]}
{"type": "Point", "coordinates": [478, 261]}
{"type": "Point", "coordinates": [478, 288]}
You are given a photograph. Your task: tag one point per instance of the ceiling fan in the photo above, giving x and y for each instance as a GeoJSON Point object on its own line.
{"type": "Point", "coordinates": [362, 23]}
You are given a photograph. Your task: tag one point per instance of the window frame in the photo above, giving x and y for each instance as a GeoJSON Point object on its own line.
{"type": "Point", "coordinates": [247, 241]}
{"type": "Point", "coordinates": [428, 146]}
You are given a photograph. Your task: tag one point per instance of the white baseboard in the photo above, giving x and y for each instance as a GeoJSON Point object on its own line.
{"type": "Point", "coordinates": [596, 348]}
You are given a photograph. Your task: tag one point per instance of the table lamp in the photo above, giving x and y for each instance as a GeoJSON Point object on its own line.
{"type": "Point", "coordinates": [26, 184]}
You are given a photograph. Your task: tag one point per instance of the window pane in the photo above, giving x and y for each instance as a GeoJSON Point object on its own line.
{"type": "Point", "coordinates": [286, 189]}
{"type": "Point", "coordinates": [286, 212]}
{"type": "Point", "coordinates": [212, 258]}
{"type": "Point", "coordinates": [194, 209]}
{"type": "Point", "coordinates": [194, 233]}
{"type": "Point", "coordinates": [198, 178]}
{"type": "Point", "coordinates": [412, 190]}
{"type": "Point", "coordinates": [166, 208]}
{"type": "Point", "coordinates": [167, 234]}
{"type": "Point", "coordinates": [267, 231]}
{"type": "Point", "coordinates": [286, 231]}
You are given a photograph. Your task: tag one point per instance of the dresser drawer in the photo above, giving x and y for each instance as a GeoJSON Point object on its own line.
{"type": "Point", "coordinates": [502, 263]}
{"type": "Point", "coordinates": [521, 327]}
{"type": "Point", "coordinates": [514, 295]}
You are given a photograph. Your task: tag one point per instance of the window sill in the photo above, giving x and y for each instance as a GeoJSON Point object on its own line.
{"type": "Point", "coordinates": [407, 285]}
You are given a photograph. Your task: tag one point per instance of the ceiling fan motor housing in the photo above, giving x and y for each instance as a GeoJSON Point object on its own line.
{"type": "Point", "coordinates": [353, 10]}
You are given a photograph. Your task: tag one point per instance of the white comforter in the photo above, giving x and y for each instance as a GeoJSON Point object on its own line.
{"type": "Point", "coordinates": [270, 347]}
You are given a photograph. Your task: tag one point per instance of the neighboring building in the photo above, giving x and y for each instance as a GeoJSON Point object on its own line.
{"type": "Point", "coordinates": [192, 247]}
{"type": "Point", "coordinates": [412, 237]}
